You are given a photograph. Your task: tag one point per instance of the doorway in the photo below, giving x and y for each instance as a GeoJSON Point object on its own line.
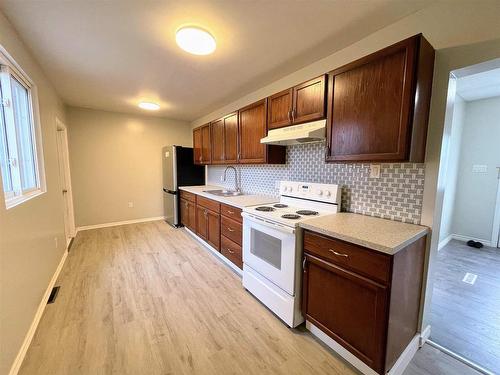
{"type": "Point", "coordinates": [65, 177]}
{"type": "Point", "coordinates": [465, 299]}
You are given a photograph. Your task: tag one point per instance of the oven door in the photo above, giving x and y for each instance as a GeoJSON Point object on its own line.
{"type": "Point", "coordinates": [270, 250]}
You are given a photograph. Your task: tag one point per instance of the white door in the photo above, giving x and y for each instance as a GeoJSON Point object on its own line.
{"type": "Point", "coordinates": [65, 176]}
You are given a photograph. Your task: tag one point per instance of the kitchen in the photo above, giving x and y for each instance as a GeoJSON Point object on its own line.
{"type": "Point", "coordinates": [288, 230]}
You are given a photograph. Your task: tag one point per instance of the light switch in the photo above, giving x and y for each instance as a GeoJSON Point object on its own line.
{"type": "Point", "coordinates": [374, 170]}
{"type": "Point", "coordinates": [479, 168]}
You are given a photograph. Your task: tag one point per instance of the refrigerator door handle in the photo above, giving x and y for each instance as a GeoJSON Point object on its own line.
{"type": "Point", "coordinates": [170, 191]}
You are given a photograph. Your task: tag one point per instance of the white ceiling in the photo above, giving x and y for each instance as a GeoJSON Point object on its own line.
{"type": "Point", "coordinates": [112, 54]}
{"type": "Point", "coordinates": [479, 86]}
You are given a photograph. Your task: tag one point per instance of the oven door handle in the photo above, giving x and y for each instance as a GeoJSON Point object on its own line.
{"type": "Point", "coordinates": [269, 224]}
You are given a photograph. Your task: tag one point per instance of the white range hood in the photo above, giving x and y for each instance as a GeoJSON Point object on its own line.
{"type": "Point", "coordinates": [297, 134]}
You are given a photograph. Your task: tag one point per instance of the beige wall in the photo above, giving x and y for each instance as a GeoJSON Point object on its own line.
{"type": "Point", "coordinates": [115, 159]}
{"type": "Point", "coordinates": [28, 255]}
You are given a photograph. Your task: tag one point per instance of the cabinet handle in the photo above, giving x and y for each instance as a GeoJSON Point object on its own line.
{"type": "Point", "coordinates": [229, 229]}
{"type": "Point", "coordinates": [293, 115]}
{"type": "Point", "coordinates": [230, 212]}
{"type": "Point", "coordinates": [290, 115]}
{"type": "Point", "coordinates": [338, 254]}
{"type": "Point", "coordinates": [304, 264]}
{"type": "Point", "coordinates": [205, 213]}
{"type": "Point", "coordinates": [230, 251]}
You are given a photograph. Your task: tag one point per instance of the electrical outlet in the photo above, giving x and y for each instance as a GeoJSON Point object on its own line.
{"type": "Point", "coordinates": [477, 168]}
{"type": "Point", "coordinates": [130, 204]}
{"type": "Point", "coordinates": [277, 184]}
{"type": "Point", "coordinates": [56, 241]}
{"type": "Point", "coordinates": [374, 170]}
{"type": "Point", "coordinates": [221, 178]}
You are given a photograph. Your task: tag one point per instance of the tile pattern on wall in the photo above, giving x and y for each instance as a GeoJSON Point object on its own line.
{"type": "Point", "coordinates": [396, 195]}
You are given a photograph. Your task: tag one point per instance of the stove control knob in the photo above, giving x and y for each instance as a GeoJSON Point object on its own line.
{"type": "Point", "coordinates": [327, 193]}
{"type": "Point", "coordinates": [320, 192]}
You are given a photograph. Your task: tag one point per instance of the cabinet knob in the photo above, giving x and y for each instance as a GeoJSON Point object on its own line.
{"type": "Point", "coordinates": [230, 229]}
{"type": "Point", "coordinates": [230, 251]}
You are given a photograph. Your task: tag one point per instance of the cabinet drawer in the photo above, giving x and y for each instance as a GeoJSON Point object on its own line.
{"type": "Point", "coordinates": [231, 251]}
{"type": "Point", "coordinates": [231, 212]}
{"type": "Point", "coordinates": [231, 229]}
{"type": "Point", "coordinates": [208, 203]}
{"type": "Point", "coordinates": [353, 257]}
{"type": "Point", "coordinates": [188, 196]}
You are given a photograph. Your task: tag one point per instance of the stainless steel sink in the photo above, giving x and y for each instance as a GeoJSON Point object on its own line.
{"type": "Point", "coordinates": [224, 193]}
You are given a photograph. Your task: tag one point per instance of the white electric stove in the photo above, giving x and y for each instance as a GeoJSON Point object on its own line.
{"type": "Point", "coordinates": [272, 244]}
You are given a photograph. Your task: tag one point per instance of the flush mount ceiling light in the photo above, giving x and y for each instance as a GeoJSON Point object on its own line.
{"type": "Point", "coordinates": [149, 106]}
{"type": "Point", "coordinates": [195, 40]}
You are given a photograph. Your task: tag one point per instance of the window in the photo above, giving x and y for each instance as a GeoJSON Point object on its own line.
{"type": "Point", "coordinates": [19, 137]}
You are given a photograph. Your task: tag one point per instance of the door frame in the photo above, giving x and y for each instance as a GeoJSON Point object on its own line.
{"type": "Point", "coordinates": [65, 177]}
{"type": "Point", "coordinates": [495, 236]}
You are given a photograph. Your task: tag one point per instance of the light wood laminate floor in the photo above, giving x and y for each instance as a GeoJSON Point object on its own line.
{"type": "Point", "coordinates": [148, 299]}
{"type": "Point", "coordinates": [466, 318]}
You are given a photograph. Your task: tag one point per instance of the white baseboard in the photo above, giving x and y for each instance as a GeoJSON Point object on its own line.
{"type": "Point", "coordinates": [405, 358]}
{"type": "Point", "coordinates": [459, 237]}
{"type": "Point", "coordinates": [116, 223]}
{"type": "Point", "coordinates": [444, 242]}
{"type": "Point", "coordinates": [38, 315]}
{"type": "Point", "coordinates": [424, 335]}
{"type": "Point", "coordinates": [226, 261]}
{"type": "Point", "coordinates": [397, 369]}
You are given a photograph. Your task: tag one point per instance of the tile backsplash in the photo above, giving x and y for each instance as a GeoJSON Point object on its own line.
{"type": "Point", "coordinates": [396, 195]}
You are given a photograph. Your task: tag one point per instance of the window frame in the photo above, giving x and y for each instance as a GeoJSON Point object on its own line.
{"type": "Point", "coordinates": [9, 70]}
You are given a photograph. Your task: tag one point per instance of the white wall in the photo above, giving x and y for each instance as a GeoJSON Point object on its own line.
{"type": "Point", "coordinates": [452, 141]}
{"type": "Point", "coordinates": [116, 158]}
{"type": "Point", "coordinates": [28, 254]}
{"type": "Point", "coordinates": [476, 192]}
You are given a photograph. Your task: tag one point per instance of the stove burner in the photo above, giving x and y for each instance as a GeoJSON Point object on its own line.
{"type": "Point", "coordinates": [307, 212]}
{"type": "Point", "coordinates": [280, 205]}
{"type": "Point", "coordinates": [264, 209]}
{"type": "Point", "coordinates": [290, 216]}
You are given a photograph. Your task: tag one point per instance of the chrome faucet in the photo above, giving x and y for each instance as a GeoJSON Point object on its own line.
{"type": "Point", "coordinates": [236, 185]}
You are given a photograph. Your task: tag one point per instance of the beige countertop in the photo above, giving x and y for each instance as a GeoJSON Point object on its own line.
{"type": "Point", "coordinates": [239, 201]}
{"type": "Point", "coordinates": [383, 235]}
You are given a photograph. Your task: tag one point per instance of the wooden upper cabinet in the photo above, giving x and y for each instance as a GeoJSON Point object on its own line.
{"type": "Point", "coordinates": [206, 145]}
{"type": "Point", "coordinates": [309, 100]}
{"type": "Point", "coordinates": [225, 140]}
{"type": "Point", "coordinates": [217, 129]}
{"type": "Point", "coordinates": [197, 145]}
{"type": "Point", "coordinates": [279, 111]}
{"type": "Point", "coordinates": [373, 114]}
{"type": "Point", "coordinates": [252, 127]}
{"type": "Point", "coordinates": [302, 103]}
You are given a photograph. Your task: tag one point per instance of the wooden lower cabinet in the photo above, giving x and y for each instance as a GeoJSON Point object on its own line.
{"type": "Point", "coordinates": [188, 214]}
{"type": "Point", "coordinates": [348, 308]}
{"type": "Point", "coordinates": [202, 222]}
{"type": "Point", "coordinates": [232, 251]}
{"type": "Point", "coordinates": [373, 319]}
{"type": "Point", "coordinates": [213, 229]}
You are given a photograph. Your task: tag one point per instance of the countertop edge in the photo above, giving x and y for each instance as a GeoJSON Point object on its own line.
{"type": "Point", "coordinates": [195, 190]}
{"type": "Point", "coordinates": [364, 243]}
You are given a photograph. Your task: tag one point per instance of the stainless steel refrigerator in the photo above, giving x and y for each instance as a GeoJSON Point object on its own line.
{"type": "Point", "coordinates": [178, 170]}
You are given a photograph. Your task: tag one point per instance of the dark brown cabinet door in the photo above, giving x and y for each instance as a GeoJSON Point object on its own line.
{"type": "Point", "coordinates": [217, 140]}
{"type": "Point", "coordinates": [252, 127]}
{"type": "Point", "coordinates": [231, 138]}
{"type": "Point", "coordinates": [372, 112]}
{"type": "Point", "coordinates": [213, 229]}
{"type": "Point", "coordinates": [202, 222]}
{"type": "Point", "coordinates": [206, 145]}
{"type": "Point", "coordinates": [349, 308]}
{"type": "Point", "coordinates": [279, 110]}
{"type": "Point", "coordinates": [191, 223]}
{"type": "Point", "coordinates": [184, 208]}
{"type": "Point", "coordinates": [197, 144]}
{"type": "Point", "coordinates": [309, 101]}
